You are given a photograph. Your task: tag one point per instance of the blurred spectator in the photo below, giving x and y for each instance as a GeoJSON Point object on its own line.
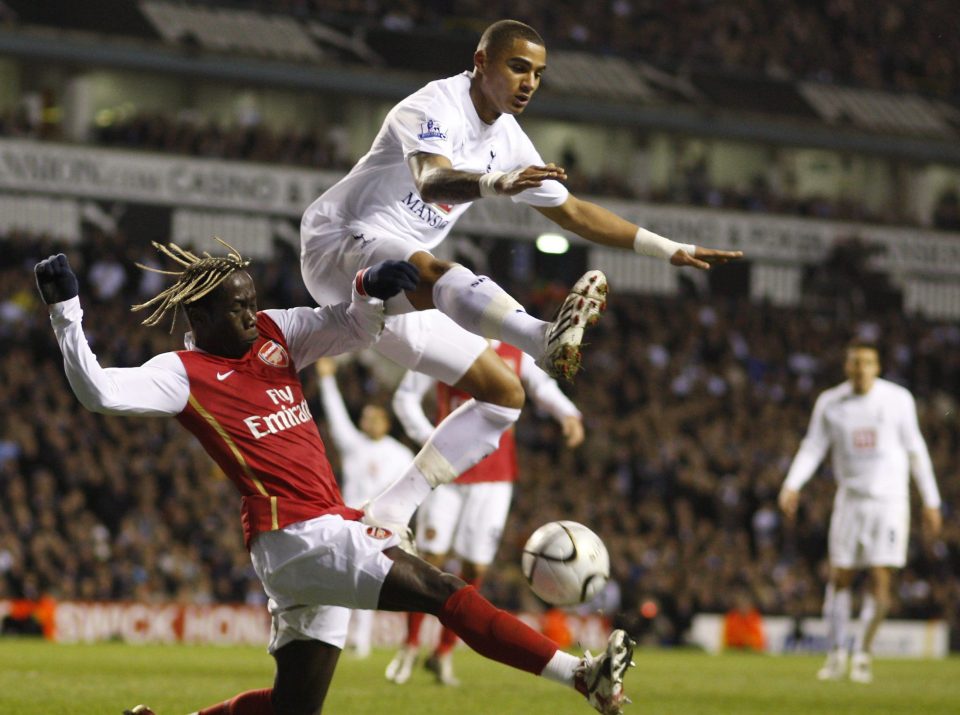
{"type": "Point", "coordinates": [743, 625]}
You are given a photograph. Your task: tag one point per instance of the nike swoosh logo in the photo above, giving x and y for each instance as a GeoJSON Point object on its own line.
{"type": "Point", "coordinates": [221, 376]}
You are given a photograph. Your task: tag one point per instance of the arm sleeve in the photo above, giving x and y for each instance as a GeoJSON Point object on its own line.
{"type": "Point", "coordinates": [424, 126]}
{"type": "Point", "coordinates": [158, 388]}
{"type": "Point", "coordinates": [408, 405]}
{"type": "Point", "coordinates": [550, 192]}
{"type": "Point", "coordinates": [921, 467]}
{"type": "Point", "coordinates": [346, 436]}
{"type": "Point", "coordinates": [812, 450]}
{"type": "Point", "coordinates": [545, 392]}
{"type": "Point", "coordinates": [312, 333]}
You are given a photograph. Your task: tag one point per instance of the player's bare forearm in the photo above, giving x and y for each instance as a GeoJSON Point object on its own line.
{"type": "Point", "coordinates": [592, 222]}
{"type": "Point", "coordinates": [599, 225]}
{"type": "Point", "coordinates": [449, 186]}
{"type": "Point", "coordinates": [438, 182]}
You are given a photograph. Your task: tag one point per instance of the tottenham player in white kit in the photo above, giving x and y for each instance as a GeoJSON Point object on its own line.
{"type": "Point", "coordinates": [870, 426]}
{"type": "Point", "coordinates": [452, 142]}
{"type": "Point", "coordinates": [370, 460]}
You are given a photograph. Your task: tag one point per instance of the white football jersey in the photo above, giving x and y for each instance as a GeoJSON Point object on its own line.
{"type": "Point", "coordinates": [368, 465]}
{"type": "Point", "coordinates": [379, 194]}
{"type": "Point", "coordinates": [875, 442]}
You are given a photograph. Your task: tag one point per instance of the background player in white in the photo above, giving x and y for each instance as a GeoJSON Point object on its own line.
{"type": "Point", "coordinates": [466, 518]}
{"type": "Point", "coordinates": [369, 460]}
{"type": "Point", "coordinates": [237, 389]}
{"type": "Point", "coordinates": [870, 426]}
{"type": "Point", "coordinates": [452, 142]}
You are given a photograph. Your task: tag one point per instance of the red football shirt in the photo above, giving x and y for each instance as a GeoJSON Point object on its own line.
{"type": "Point", "coordinates": [250, 415]}
{"type": "Point", "coordinates": [501, 465]}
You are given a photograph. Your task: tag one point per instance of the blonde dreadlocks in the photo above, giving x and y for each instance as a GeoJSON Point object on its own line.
{"type": "Point", "coordinates": [200, 277]}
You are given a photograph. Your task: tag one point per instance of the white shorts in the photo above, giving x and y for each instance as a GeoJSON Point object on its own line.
{"type": "Point", "coordinates": [315, 571]}
{"type": "Point", "coordinates": [465, 518]}
{"type": "Point", "coordinates": [426, 341]}
{"type": "Point", "coordinates": [868, 532]}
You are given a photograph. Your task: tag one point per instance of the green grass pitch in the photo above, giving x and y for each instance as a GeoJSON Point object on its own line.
{"type": "Point", "coordinates": [38, 678]}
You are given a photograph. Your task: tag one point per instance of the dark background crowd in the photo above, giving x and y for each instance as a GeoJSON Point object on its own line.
{"type": "Point", "coordinates": [879, 44]}
{"type": "Point", "coordinates": [694, 407]}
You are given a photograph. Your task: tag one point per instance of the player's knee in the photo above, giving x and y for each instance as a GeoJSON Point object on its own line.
{"type": "Point", "coordinates": [501, 388]}
{"type": "Point", "coordinates": [431, 268]}
{"type": "Point", "coordinates": [447, 585]}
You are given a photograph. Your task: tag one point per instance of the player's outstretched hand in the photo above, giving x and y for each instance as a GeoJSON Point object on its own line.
{"type": "Point", "coordinates": [387, 278]}
{"type": "Point", "coordinates": [513, 182]}
{"type": "Point", "coordinates": [789, 500]}
{"type": "Point", "coordinates": [704, 257]}
{"type": "Point", "coordinates": [55, 280]}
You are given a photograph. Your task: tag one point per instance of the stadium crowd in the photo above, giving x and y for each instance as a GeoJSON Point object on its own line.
{"type": "Point", "coordinates": [693, 408]}
{"type": "Point", "coordinates": [883, 45]}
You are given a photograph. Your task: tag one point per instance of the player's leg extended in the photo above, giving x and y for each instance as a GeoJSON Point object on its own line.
{"type": "Point", "coordinates": [412, 584]}
{"type": "Point", "coordinates": [431, 343]}
{"type": "Point", "coordinates": [479, 305]}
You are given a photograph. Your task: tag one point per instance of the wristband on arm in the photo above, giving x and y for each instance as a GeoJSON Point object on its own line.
{"type": "Point", "coordinates": [488, 183]}
{"type": "Point", "coordinates": [647, 243]}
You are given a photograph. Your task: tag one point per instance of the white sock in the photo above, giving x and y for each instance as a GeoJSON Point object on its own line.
{"type": "Point", "coordinates": [838, 619]}
{"type": "Point", "coordinates": [466, 436]}
{"type": "Point", "coordinates": [868, 610]}
{"type": "Point", "coordinates": [561, 668]}
{"type": "Point", "coordinates": [479, 305]}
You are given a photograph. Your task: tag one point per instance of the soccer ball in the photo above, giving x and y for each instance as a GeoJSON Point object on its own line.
{"type": "Point", "coordinates": [565, 563]}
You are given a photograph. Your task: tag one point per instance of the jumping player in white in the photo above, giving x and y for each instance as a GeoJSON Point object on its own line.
{"type": "Point", "coordinates": [236, 388]}
{"type": "Point", "coordinates": [468, 516]}
{"type": "Point", "coordinates": [870, 425]}
{"type": "Point", "coordinates": [450, 143]}
{"type": "Point", "coordinates": [370, 459]}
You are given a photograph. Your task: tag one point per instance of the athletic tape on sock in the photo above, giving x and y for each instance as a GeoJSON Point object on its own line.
{"type": "Point", "coordinates": [434, 466]}
{"type": "Point", "coordinates": [491, 320]}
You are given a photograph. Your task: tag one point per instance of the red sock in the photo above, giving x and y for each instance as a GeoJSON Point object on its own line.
{"type": "Point", "coordinates": [494, 633]}
{"type": "Point", "coordinates": [252, 702]}
{"type": "Point", "coordinates": [448, 639]}
{"type": "Point", "coordinates": [414, 621]}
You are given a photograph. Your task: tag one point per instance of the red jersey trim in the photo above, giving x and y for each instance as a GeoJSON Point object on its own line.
{"type": "Point", "coordinates": [238, 455]}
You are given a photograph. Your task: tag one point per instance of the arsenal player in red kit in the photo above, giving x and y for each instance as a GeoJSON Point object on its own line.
{"type": "Point", "coordinates": [236, 388]}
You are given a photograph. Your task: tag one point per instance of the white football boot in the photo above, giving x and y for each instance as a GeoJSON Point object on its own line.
{"type": "Point", "coordinates": [401, 667]}
{"type": "Point", "coordinates": [861, 668]}
{"type": "Point", "coordinates": [835, 667]}
{"type": "Point", "coordinates": [600, 678]}
{"type": "Point", "coordinates": [580, 310]}
{"type": "Point", "coordinates": [442, 668]}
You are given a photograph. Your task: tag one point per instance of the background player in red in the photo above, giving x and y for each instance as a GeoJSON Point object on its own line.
{"type": "Point", "coordinates": [236, 388]}
{"type": "Point", "coordinates": [467, 517]}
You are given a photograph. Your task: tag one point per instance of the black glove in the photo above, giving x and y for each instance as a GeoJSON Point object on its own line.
{"type": "Point", "coordinates": [388, 278]}
{"type": "Point", "coordinates": [55, 280]}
